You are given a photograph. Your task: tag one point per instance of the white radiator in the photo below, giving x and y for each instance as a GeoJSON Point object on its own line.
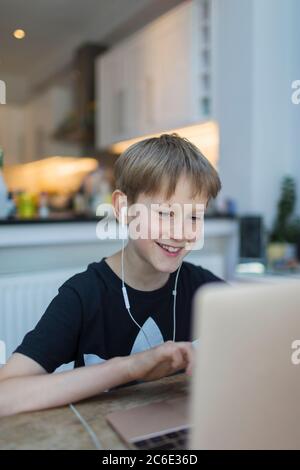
{"type": "Point", "coordinates": [23, 300]}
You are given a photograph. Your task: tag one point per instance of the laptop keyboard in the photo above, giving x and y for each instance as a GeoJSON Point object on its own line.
{"type": "Point", "coordinates": [171, 440]}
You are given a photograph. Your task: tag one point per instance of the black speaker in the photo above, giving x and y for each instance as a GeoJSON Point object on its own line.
{"type": "Point", "coordinates": [252, 240]}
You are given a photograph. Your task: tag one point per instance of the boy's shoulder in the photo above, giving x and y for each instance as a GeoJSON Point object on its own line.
{"type": "Point", "coordinates": [86, 281]}
{"type": "Point", "coordinates": [199, 274]}
{"type": "Point", "coordinates": [98, 278]}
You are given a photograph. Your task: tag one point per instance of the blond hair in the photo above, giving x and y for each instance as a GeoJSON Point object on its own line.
{"type": "Point", "coordinates": [148, 164]}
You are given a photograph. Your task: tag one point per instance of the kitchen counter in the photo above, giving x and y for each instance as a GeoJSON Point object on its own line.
{"type": "Point", "coordinates": [27, 246]}
{"type": "Point", "coordinates": [49, 220]}
{"type": "Point", "coordinates": [69, 218]}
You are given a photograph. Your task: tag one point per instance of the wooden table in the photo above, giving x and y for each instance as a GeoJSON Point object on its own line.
{"type": "Point", "coordinates": [59, 428]}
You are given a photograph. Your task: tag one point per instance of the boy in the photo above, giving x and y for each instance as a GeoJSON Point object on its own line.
{"type": "Point", "coordinates": [119, 317]}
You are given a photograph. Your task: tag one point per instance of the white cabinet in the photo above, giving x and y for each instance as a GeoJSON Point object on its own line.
{"type": "Point", "coordinates": [116, 102]}
{"type": "Point", "coordinates": [172, 58]}
{"type": "Point", "coordinates": [111, 99]}
{"type": "Point", "coordinates": [158, 79]}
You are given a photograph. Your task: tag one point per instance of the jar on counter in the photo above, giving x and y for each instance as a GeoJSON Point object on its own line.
{"type": "Point", "coordinates": [27, 205]}
{"type": "Point", "coordinates": [43, 206]}
{"type": "Point", "coordinates": [80, 202]}
{"type": "Point", "coordinates": [11, 206]}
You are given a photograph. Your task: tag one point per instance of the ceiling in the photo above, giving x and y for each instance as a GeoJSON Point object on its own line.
{"type": "Point", "coordinates": [56, 27]}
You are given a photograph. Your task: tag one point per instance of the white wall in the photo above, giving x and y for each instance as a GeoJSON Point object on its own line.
{"type": "Point", "coordinates": [258, 58]}
{"type": "Point", "coordinates": [294, 110]}
{"type": "Point", "coordinates": [12, 121]}
{"type": "Point", "coordinates": [233, 102]}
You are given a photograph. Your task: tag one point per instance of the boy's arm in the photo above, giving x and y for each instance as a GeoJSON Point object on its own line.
{"type": "Point", "coordinates": [35, 389]}
{"type": "Point", "coordinates": [25, 385]}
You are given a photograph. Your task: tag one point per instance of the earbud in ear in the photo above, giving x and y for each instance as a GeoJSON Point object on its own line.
{"type": "Point", "coordinates": [123, 216]}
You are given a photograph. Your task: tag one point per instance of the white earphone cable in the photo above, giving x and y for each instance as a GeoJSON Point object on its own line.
{"type": "Point", "coordinates": [127, 303]}
{"type": "Point", "coordinates": [126, 300]}
{"type": "Point", "coordinates": [174, 303]}
{"type": "Point", "coordinates": [87, 427]}
{"type": "Point", "coordinates": [83, 422]}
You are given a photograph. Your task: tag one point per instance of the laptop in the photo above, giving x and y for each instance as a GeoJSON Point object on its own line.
{"type": "Point", "coordinates": [246, 383]}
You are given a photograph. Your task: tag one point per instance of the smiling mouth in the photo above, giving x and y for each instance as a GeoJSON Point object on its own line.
{"type": "Point", "coordinates": [170, 249]}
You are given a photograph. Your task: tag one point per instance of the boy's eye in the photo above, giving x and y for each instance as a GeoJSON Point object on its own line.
{"type": "Point", "coordinates": [194, 218]}
{"type": "Point", "coordinates": [163, 214]}
{"type": "Point", "coordinates": [170, 214]}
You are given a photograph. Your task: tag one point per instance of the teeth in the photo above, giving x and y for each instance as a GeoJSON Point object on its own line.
{"type": "Point", "coordinates": [170, 248]}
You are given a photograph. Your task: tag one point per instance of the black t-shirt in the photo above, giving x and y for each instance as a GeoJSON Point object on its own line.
{"type": "Point", "coordinates": [87, 321]}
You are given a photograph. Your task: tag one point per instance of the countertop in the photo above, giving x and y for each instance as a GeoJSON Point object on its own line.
{"type": "Point", "coordinates": [50, 220]}
{"type": "Point", "coordinates": [82, 231]}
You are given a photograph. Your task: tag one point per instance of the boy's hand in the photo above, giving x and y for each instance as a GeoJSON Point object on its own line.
{"type": "Point", "coordinates": [160, 361]}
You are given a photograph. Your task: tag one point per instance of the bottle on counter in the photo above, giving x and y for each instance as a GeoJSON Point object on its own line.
{"type": "Point", "coordinates": [43, 206]}
{"type": "Point", "coordinates": [79, 202]}
{"type": "Point", "coordinates": [102, 196]}
{"type": "Point", "coordinates": [3, 189]}
{"type": "Point", "coordinates": [11, 206]}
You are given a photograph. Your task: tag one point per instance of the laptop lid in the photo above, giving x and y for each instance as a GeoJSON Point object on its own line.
{"type": "Point", "coordinates": [246, 389]}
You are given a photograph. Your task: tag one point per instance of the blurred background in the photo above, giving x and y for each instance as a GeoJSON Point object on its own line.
{"type": "Point", "coordinates": [82, 80]}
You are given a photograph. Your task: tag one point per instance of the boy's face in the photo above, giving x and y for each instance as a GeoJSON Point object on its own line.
{"type": "Point", "coordinates": [167, 229]}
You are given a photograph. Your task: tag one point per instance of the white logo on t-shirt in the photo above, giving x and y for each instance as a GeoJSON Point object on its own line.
{"type": "Point", "coordinates": [151, 331]}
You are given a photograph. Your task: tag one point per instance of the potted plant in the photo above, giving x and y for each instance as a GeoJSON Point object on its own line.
{"type": "Point", "coordinates": [285, 235]}
{"type": "Point", "coordinates": [293, 234]}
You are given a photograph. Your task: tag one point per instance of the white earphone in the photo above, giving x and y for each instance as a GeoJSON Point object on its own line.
{"type": "Point", "coordinates": [125, 294]}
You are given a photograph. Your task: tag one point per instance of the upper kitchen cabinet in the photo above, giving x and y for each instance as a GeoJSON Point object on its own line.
{"type": "Point", "coordinates": [168, 77]}
{"type": "Point", "coordinates": [117, 108]}
{"type": "Point", "coordinates": [158, 79]}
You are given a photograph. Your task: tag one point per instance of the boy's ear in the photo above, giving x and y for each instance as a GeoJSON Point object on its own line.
{"type": "Point", "coordinates": [119, 202]}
